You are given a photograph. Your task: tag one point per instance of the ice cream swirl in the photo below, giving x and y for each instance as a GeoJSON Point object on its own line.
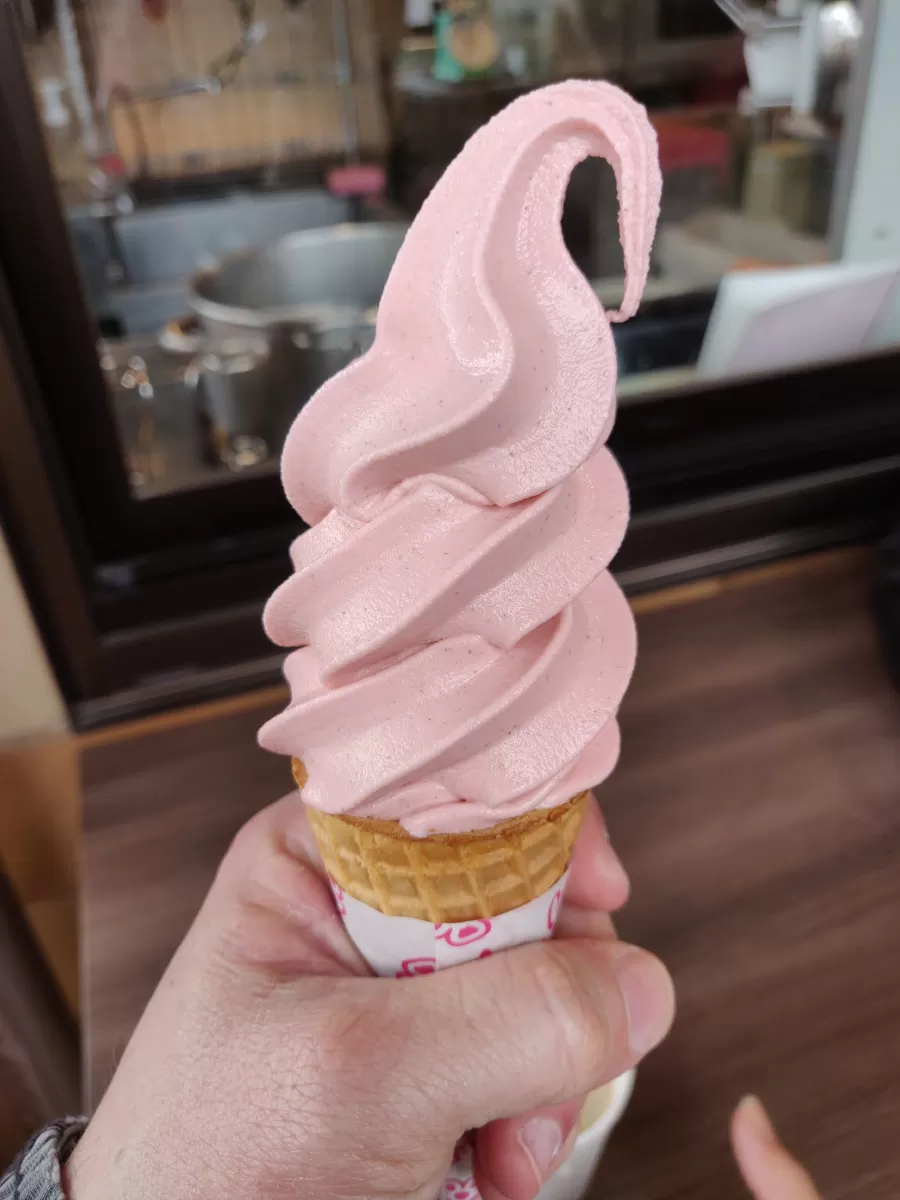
{"type": "Point", "coordinates": [464, 650]}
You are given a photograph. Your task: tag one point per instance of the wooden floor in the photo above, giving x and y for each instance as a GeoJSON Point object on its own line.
{"type": "Point", "coordinates": [757, 807]}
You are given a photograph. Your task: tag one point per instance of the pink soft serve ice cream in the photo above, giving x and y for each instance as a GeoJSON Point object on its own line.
{"type": "Point", "coordinates": [464, 649]}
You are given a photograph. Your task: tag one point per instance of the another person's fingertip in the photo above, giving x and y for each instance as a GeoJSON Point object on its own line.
{"type": "Point", "coordinates": [752, 1114]}
{"type": "Point", "coordinates": [768, 1169]}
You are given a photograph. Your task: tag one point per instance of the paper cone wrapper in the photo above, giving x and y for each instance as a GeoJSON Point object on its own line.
{"type": "Point", "coordinates": [413, 906]}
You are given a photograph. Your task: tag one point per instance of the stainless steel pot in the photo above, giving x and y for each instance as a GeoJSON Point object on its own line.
{"type": "Point", "coordinates": [304, 278]}
{"type": "Point", "coordinates": [312, 295]}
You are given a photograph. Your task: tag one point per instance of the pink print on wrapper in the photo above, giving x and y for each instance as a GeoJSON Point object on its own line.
{"type": "Point", "coordinates": [460, 1183]}
{"type": "Point", "coordinates": [416, 966]}
{"type": "Point", "coordinates": [463, 935]}
{"type": "Point", "coordinates": [553, 910]}
{"type": "Point", "coordinates": [460, 1189]}
{"type": "Point", "coordinates": [338, 894]}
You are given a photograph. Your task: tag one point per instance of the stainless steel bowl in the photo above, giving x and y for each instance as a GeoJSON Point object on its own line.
{"type": "Point", "coordinates": [306, 279]}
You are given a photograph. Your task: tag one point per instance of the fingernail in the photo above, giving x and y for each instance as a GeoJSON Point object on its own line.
{"type": "Point", "coordinates": [647, 990]}
{"type": "Point", "coordinates": [542, 1139]}
{"type": "Point", "coordinates": [755, 1113]}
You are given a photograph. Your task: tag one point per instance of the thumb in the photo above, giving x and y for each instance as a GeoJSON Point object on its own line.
{"type": "Point", "coordinates": [539, 1024]}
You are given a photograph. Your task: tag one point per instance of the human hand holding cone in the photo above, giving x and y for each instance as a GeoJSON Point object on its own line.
{"type": "Point", "coordinates": [458, 887]}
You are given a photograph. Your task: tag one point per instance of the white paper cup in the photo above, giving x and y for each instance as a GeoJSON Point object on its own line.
{"type": "Point", "coordinates": [571, 1180]}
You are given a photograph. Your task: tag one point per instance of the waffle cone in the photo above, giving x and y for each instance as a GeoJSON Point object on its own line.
{"type": "Point", "coordinates": [447, 876]}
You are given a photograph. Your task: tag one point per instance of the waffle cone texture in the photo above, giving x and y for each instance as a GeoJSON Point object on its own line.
{"type": "Point", "coordinates": [448, 876]}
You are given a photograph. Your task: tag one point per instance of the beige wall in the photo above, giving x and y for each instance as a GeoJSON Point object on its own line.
{"type": "Point", "coordinates": [39, 785]}
{"type": "Point", "coordinates": [30, 702]}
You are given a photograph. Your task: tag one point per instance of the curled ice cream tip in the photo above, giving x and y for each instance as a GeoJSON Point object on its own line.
{"type": "Point", "coordinates": [464, 651]}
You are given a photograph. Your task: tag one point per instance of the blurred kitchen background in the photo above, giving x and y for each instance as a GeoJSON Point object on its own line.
{"type": "Point", "coordinates": [204, 199]}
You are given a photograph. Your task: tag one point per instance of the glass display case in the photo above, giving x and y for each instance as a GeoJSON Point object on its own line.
{"type": "Point", "coordinates": [208, 198]}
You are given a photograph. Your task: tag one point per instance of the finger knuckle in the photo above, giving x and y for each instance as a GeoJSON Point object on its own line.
{"type": "Point", "coordinates": [359, 1041]}
{"type": "Point", "coordinates": [371, 1063]}
{"type": "Point", "coordinates": [355, 1030]}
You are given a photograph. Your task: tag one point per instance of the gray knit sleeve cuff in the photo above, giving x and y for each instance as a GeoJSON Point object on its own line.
{"type": "Point", "coordinates": [35, 1175]}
